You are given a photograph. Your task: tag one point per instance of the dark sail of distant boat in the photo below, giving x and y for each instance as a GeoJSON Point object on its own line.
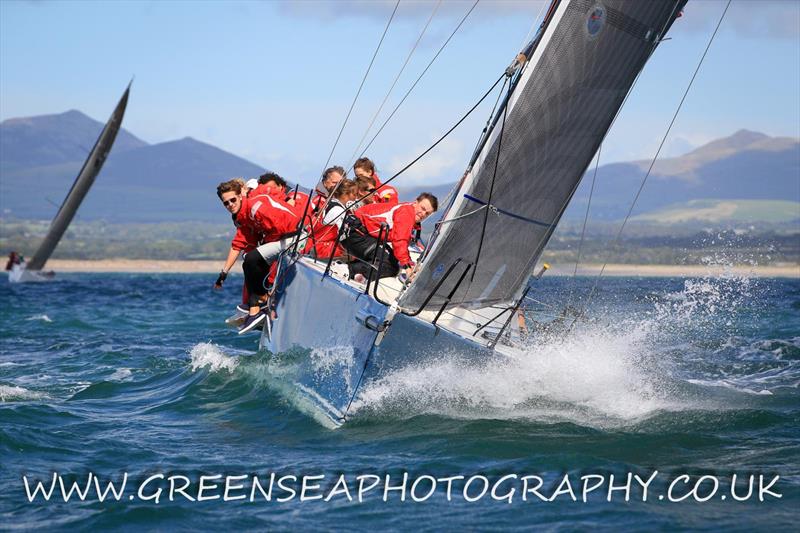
{"type": "Point", "coordinates": [89, 171]}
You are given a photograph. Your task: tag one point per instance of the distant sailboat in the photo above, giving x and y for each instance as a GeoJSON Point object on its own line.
{"type": "Point", "coordinates": [20, 271]}
{"type": "Point", "coordinates": [565, 90]}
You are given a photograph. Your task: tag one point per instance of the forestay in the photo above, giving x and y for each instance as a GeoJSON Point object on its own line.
{"type": "Point", "coordinates": [584, 61]}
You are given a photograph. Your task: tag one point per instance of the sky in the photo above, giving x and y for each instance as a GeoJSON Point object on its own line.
{"type": "Point", "coordinates": [273, 81]}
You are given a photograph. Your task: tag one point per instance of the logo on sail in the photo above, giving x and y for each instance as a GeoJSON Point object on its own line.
{"type": "Point", "coordinates": [596, 20]}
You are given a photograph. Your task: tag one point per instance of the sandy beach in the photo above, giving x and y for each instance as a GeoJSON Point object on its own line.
{"type": "Point", "coordinates": [785, 270]}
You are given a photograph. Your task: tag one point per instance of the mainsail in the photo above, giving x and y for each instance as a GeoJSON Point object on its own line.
{"type": "Point", "coordinates": [91, 167]}
{"type": "Point", "coordinates": [581, 66]}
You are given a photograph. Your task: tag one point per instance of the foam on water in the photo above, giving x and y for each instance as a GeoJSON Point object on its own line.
{"type": "Point", "coordinates": [121, 374]}
{"type": "Point", "coordinates": [729, 384]}
{"type": "Point", "coordinates": [209, 355]}
{"type": "Point", "coordinates": [10, 393]}
{"type": "Point", "coordinates": [43, 318]}
{"type": "Point", "coordinates": [596, 378]}
{"type": "Point", "coordinates": [602, 374]}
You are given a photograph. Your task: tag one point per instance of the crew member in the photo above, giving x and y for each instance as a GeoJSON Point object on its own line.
{"type": "Point", "coordinates": [326, 229]}
{"type": "Point", "coordinates": [245, 240]}
{"type": "Point", "coordinates": [365, 227]}
{"type": "Point", "coordinates": [330, 178]}
{"type": "Point", "coordinates": [276, 221]}
{"type": "Point", "coordinates": [365, 186]}
{"type": "Point", "coordinates": [385, 194]}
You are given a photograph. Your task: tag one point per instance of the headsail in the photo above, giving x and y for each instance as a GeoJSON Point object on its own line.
{"type": "Point", "coordinates": [91, 167]}
{"type": "Point", "coordinates": [583, 62]}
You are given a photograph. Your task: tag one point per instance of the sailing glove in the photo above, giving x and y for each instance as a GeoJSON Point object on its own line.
{"type": "Point", "coordinates": [220, 279]}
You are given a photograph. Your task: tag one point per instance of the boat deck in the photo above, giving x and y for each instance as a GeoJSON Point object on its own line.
{"type": "Point", "coordinates": [468, 323]}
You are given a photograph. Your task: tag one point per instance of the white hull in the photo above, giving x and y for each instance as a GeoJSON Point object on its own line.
{"type": "Point", "coordinates": [324, 347]}
{"type": "Point", "coordinates": [19, 274]}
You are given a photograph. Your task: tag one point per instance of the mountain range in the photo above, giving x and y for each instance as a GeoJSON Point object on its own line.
{"type": "Point", "coordinates": [747, 174]}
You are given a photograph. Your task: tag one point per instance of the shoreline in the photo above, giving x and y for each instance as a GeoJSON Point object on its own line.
{"type": "Point", "coordinates": [783, 270]}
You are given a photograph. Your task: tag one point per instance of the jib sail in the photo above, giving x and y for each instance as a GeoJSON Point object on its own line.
{"type": "Point", "coordinates": [581, 65]}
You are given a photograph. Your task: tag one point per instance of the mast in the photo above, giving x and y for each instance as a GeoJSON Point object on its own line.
{"type": "Point", "coordinates": [89, 171]}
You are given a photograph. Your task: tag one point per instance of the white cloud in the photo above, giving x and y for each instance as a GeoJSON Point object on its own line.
{"type": "Point", "coordinates": [747, 18]}
{"type": "Point", "coordinates": [443, 164]}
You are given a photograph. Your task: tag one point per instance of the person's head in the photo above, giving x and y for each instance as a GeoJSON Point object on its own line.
{"type": "Point", "coordinates": [273, 182]}
{"type": "Point", "coordinates": [425, 205]}
{"type": "Point", "coordinates": [346, 191]}
{"type": "Point", "coordinates": [230, 193]}
{"type": "Point", "coordinates": [364, 167]}
{"type": "Point", "coordinates": [365, 186]}
{"type": "Point", "coordinates": [331, 177]}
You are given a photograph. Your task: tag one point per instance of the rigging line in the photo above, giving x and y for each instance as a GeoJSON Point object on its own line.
{"type": "Point", "coordinates": [527, 38]}
{"type": "Point", "coordinates": [451, 195]}
{"type": "Point", "coordinates": [435, 144]}
{"type": "Point", "coordinates": [364, 79]}
{"type": "Point", "coordinates": [486, 128]}
{"type": "Point", "coordinates": [402, 69]}
{"type": "Point", "coordinates": [491, 185]}
{"type": "Point", "coordinates": [655, 157]}
{"type": "Point", "coordinates": [418, 79]}
{"type": "Point", "coordinates": [585, 220]}
{"type": "Point", "coordinates": [296, 257]}
{"type": "Point", "coordinates": [465, 215]}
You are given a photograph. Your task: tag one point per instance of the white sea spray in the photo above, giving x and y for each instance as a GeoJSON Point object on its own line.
{"type": "Point", "coordinates": [43, 318]}
{"type": "Point", "coordinates": [609, 372]}
{"type": "Point", "coordinates": [209, 355]}
{"type": "Point", "coordinates": [9, 393]}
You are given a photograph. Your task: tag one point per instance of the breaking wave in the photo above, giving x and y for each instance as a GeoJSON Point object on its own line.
{"type": "Point", "coordinates": [10, 393]}
{"type": "Point", "coordinates": [606, 373]}
{"type": "Point", "coordinates": [43, 318]}
{"type": "Point", "coordinates": [210, 356]}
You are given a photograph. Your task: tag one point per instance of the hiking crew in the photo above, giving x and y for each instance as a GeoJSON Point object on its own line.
{"type": "Point", "coordinates": [267, 221]}
{"type": "Point", "coordinates": [326, 228]}
{"type": "Point", "coordinates": [365, 227]}
{"type": "Point", "coordinates": [330, 179]}
{"type": "Point", "coordinates": [276, 223]}
{"type": "Point", "coordinates": [385, 194]}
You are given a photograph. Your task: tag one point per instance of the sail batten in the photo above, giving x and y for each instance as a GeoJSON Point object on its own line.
{"type": "Point", "coordinates": [584, 62]}
{"type": "Point", "coordinates": [80, 187]}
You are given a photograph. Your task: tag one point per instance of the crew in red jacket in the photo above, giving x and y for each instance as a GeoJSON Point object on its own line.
{"type": "Point", "coordinates": [275, 221]}
{"type": "Point", "coordinates": [385, 194]}
{"type": "Point", "coordinates": [362, 237]}
{"type": "Point", "coordinates": [248, 238]}
{"type": "Point", "coordinates": [330, 178]}
{"type": "Point", "coordinates": [326, 228]}
{"type": "Point", "coordinates": [245, 240]}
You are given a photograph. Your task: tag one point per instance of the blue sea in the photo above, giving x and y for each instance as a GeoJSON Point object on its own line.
{"type": "Point", "coordinates": [681, 383]}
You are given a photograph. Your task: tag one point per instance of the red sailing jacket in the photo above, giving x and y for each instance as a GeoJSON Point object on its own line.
{"type": "Point", "coordinates": [300, 201]}
{"type": "Point", "coordinates": [322, 240]}
{"type": "Point", "coordinates": [400, 219]}
{"type": "Point", "coordinates": [267, 215]}
{"type": "Point", "coordinates": [385, 194]}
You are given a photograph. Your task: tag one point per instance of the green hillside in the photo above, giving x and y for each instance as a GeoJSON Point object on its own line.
{"type": "Point", "coordinates": [724, 211]}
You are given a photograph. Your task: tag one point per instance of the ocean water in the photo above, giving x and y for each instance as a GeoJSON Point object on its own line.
{"type": "Point", "coordinates": [105, 376]}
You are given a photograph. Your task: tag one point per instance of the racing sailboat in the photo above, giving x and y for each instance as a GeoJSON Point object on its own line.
{"type": "Point", "coordinates": [564, 91]}
{"type": "Point", "coordinates": [32, 270]}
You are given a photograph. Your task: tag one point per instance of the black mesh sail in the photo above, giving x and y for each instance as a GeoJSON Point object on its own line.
{"type": "Point", "coordinates": [582, 65]}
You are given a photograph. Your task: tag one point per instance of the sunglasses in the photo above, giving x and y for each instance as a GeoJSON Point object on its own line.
{"type": "Point", "coordinates": [232, 201]}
